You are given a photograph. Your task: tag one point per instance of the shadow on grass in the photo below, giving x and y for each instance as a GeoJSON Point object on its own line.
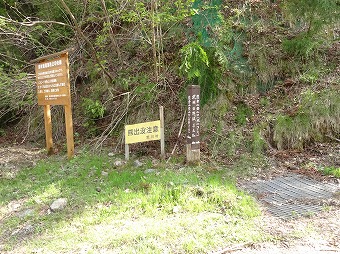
{"type": "Point", "coordinates": [96, 189]}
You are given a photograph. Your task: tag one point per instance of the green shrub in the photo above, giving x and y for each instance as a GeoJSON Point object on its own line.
{"type": "Point", "coordinates": [93, 110]}
{"type": "Point", "coordinates": [331, 171]}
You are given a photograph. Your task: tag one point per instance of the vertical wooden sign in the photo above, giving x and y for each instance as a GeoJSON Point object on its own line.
{"type": "Point", "coordinates": [53, 88]}
{"type": "Point", "coordinates": [193, 136]}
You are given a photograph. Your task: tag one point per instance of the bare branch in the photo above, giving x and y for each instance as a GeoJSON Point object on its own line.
{"type": "Point", "coordinates": [113, 40]}
{"type": "Point", "coordinates": [80, 33]}
{"type": "Point", "coordinates": [33, 23]}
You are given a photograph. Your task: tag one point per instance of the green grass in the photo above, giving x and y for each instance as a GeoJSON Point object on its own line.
{"type": "Point", "coordinates": [334, 171]}
{"type": "Point", "coordinates": [174, 210]}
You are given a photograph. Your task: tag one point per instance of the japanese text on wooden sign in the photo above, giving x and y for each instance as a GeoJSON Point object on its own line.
{"type": "Point", "coordinates": [193, 137]}
{"type": "Point", "coordinates": [142, 132]}
{"type": "Point", "coordinates": [53, 81]}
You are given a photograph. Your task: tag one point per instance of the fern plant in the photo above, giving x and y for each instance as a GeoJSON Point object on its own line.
{"type": "Point", "coordinates": [201, 67]}
{"type": "Point", "coordinates": [194, 61]}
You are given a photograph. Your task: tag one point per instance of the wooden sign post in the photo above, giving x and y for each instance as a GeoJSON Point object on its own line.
{"type": "Point", "coordinates": [53, 88]}
{"type": "Point", "coordinates": [143, 132]}
{"type": "Point", "coordinates": [193, 136]}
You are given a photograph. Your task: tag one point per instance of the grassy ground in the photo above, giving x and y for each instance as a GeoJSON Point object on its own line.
{"type": "Point", "coordinates": [153, 208]}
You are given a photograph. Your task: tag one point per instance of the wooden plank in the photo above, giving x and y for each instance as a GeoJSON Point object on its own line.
{"type": "Point", "coordinates": [68, 117]}
{"type": "Point", "coordinates": [161, 115]}
{"type": "Point", "coordinates": [69, 131]}
{"type": "Point", "coordinates": [52, 78]}
{"type": "Point", "coordinates": [48, 129]}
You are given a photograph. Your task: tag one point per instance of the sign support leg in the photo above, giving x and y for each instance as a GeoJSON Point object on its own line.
{"type": "Point", "coordinates": [69, 131]}
{"type": "Point", "coordinates": [127, 152]}
{"type": "Point", "coordinates": [161, 114]}
{"type": "Point", "coordinates": [48, 129]}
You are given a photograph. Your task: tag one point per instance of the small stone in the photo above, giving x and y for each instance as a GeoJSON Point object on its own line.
{"type": "Point", "coordinates": [98, 189]}
{"type": "Point", "coordinates": [104, 173]}
{"type": "Point", "coordinates": [118, 163]}
{"type": "Point", "coordinates": [110, 154]}
{"type": "Point", "coordinates": [58, 204]}
{"type": "Point", "coordinates": [27, 229]}
{"type": "Point", "coordinates": [149, 171]}
{"type": "Point", "coordinates": [176, 209]}
{"type": "Point", "coordinates": [137, 163]}
{"type": "Point", "coordinates": [24, 231]}
{"type": "Point", "coordinates": [26, 213]}
{"type": "Point", "coordinates": [14, 206]}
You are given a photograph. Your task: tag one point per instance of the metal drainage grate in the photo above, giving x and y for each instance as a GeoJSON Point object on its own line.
{"type": "Point", "coordinates": [292, 195]}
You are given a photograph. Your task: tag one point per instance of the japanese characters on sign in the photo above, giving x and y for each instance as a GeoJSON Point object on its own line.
{"type": "Point", "coordinates": [193, 137]}
{"type": "Point", "coordinates": [53, 81]}
{"type": "Point", "coordinates": [142, 132]}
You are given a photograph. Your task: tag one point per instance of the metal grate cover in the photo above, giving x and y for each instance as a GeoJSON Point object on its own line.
{"type": "Point", "coordinates": [292, 195]}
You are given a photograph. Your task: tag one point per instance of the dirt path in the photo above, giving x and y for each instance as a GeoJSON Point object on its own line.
{"type": "Point", "coordinates": [14, 158]}
{"type": "Point", "coordinates": [318, 234]}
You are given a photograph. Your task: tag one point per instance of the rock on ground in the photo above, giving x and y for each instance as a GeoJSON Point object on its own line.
{"type": "Point", "coordinates": [58, 204]}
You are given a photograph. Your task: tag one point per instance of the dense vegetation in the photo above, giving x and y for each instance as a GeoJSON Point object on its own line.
{"type": "Point", "coordinates": [268, 69]}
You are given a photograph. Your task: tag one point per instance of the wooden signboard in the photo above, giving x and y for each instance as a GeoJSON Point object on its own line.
{"type": "Point", "coordinates": [53, 82]}
{"type": "Point", "coordinates": [143, 132]}
{"type": "Point", "coordinates": [193, 136]}
{"type": "Point", "coordinates": [53, 88]}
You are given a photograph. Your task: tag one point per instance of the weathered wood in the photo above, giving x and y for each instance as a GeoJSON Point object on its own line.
{"type": "Point", "coordinates": [193, 156]}
{"type": "Point", "coordinates": [193, 135]}
{"type": "Point", "coordinates": [62, 82]}
{"type": "Point", "coordinates": [68, 115]}
{"type": "Point", "coordinates": [48, 129]}
{"type": "Point", "coordinates": [52, 78]}
{"type": "Point", "coordinates": [161, 115]}
{"type": "Point", "coordinates": [69, 131]}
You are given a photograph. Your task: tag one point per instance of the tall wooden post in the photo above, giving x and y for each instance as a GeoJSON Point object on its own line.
{"type": "Point", "coordinates": [193, 136]}
{"type": "Point", "coordinates": [48, 129]}
{"type": "Point", "coordinates": [69, 131]}
{"type": "Point", "coordinates": [68, 115]}
{"type": "Point", "coordinates": [161, 117]}
{"type": "Point", "coordinates": [127, 149]}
